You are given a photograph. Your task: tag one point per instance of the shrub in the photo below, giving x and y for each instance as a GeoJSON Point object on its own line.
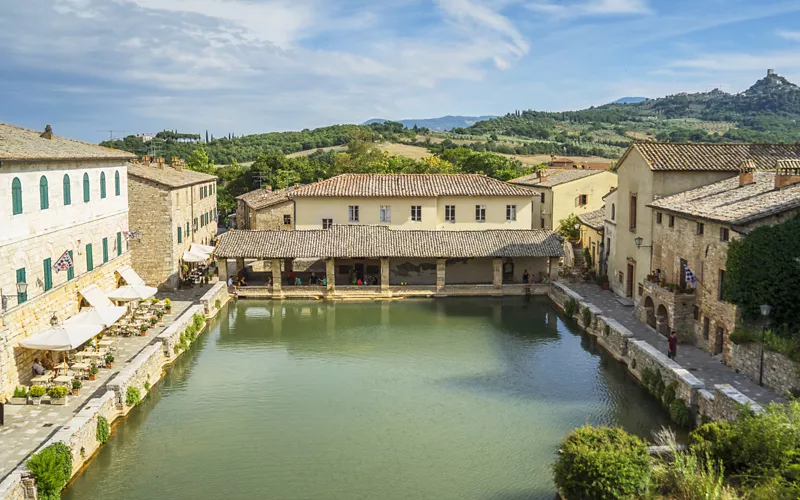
{"type": "Point", "coordinates": [109, 359]}
{"type": "Point", "coordinates": [587, 317]}
{"type": "Point", "coordinates": [58, 392]}
{"type": "Point", "coordinates": [217, 304]}
{"type": "Point", "coordinates": [103, 430]}
{"type": "Point", "coordinates": [690, 477]}
{"type": "Point", "coordinates": [76, 384]}
{"type": "Point", "coordinates": [132, 396]}
{"type": "Point", "coordinates": [198, 321]}
{"type": "Point", "coordinates": [153, 320]}
{"type": "Point", "coordinates": [602, 463]}
{"type": "Point", "coordinates": [566, 228]}
{"type": "Point", "coordinates": [669, 393]}
{"type": "Point", "coordinates": [159, 314]}
{"type": "Point", "coordinates": [37, 391]}
{"type": "Point", "coordinates": [570, 307]}
{"type": "Point", "coordinates": [176, 349]}
{"type": "Point", "coordinates": [743, 335]}
{"type": "Point", "coordinates": [715, 439]}
{"type": "Point", "coordinates": [587, 258]}
{"type": "Point", "coordinates": [607, 330]}
{"type": "Point", "coordinates": [143, 328]}
{"type": "Point", "coordinates": [680, 413]}
{"type": "Point", "coordinates": [93, 370]}
{"type": "Point", "coordinates": [52, 468]}
{"type": "Point", "coordinates": [20, 392]}
{"type": "Point", "coordinates": [147, 386]}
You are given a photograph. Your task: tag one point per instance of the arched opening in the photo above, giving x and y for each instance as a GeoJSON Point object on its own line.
{"type": "Point", "coordinates": [650, 309]}
{"type": "Point", "coordinates": [662, 320]}
{"type": "Point", "coordinates": [44, 193]}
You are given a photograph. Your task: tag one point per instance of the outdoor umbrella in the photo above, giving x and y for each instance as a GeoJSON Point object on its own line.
{"type": "Point", "coordinates": [199, 249]}
{"type": "Point", "coordinates": [569, 255]}
{"type": "Point", "coordinates": [129, 293]}
{"type": "Point", "coordinates": [189, 256]}
{"type": "Point", "coordinates": [103, 316]}
{"type": "Point", "coordinates": [66, 337]}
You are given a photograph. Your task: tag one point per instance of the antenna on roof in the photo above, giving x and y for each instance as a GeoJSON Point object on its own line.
{"type": "Point", "coordinates": [111, 133]}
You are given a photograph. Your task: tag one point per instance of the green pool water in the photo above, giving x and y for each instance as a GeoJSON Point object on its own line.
{"type": "Point", "coordinates": [417, 399]}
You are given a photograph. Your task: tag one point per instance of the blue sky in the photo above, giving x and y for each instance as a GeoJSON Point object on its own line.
{"type": "Point", "coordinates": [247, 66]}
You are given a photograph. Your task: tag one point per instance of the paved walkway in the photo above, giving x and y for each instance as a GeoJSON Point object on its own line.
{"type": "Point", "coordinates": [708, 368]}
{"type": "Point", "coordinates": [27, 426]}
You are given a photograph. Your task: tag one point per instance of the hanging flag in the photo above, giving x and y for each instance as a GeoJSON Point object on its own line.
{"type": "Point", "coordinates": [63, 263]}
{"type": "Point", "coordinates": [690, 277]}
{"type": "Point", "coordinates": [130, 235]}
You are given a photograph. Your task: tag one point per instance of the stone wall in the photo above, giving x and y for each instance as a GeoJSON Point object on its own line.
{"type": "Point", "coordinates": [171, 337]}
{"type": "Point", "coordinates": [724, 403]}
{"type": "Point", "coordinates": [18, 485]}
{"type": "Point", "coordinates": [647, 356]}
{"type": "Point", "coordinates": [665, 311]}
{"type": "Point", "coordinates": [273, 217]}
{"type": "Point", "coordinates": [218, 292]}
{"type": "Point", "coordinates": [150, 216]}
{"type": "Point", "coordinates": [780, 372]}
{"type": "Point", "coordinates": [146, 367]}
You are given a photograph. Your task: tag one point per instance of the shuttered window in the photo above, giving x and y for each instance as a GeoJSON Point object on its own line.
{"type": "Point", "coordinates": [44, 194]}
{"type": "Point", "coordinates": [117, 188]}
{"type": "Point", "coordinates": [21, 297]}
{"type": "Point", "coordinates": [67, 190]}
{"type": "Point", "coordinates": [86, 189]}
{"type": "Point", "coordinates": [119, 244]}
{"type": "Point", "coordinates": [89, 258]}
{"type": "Point", "coordinates": [105, 250]}
{"type": "Point", "coordinates": [71, 270]}
{"type": "Point", "coordinates": [16, 196]}
{"type": "Point", "coordinates": [102, 184]}
{"type": "Point", "coordinates": [47, 265]}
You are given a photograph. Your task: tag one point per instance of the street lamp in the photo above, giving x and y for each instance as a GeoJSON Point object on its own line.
{"type": "Point", "coordinates": [765, 310]}
{"type": "Point", "coordinates": [22, 287]}
{"type": "Point", "coordinates": [639, 240]}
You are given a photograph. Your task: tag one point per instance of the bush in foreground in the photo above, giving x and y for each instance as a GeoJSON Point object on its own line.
{"type": "Point", "coordinates": [52, 468]}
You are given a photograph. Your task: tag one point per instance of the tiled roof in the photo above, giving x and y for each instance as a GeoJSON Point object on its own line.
{"type": "Point", "coordinates": [611, 191]}
{"type": "Point", "coordinates": [711, 157]}
{"type": "Point", "coordinates": [17, 143]}
{"type": "Point", "coordinates": [554, 176]}
{"type": "Point", "coordinates": [168, 176]}
{"type": "Point", "coordinates": [380, 241]}
{"type": "Point", "coordinates": [261, 198]}
{"type": "Point", "coordinates": [725, 201]}
{"type": "Point", "coordinates": [409, 185]}
{"type": "Point", "coordinates": [594, 219]}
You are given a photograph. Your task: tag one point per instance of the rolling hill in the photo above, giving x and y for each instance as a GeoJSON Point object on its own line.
{"type": "Point", "coordinates": [441, 123]}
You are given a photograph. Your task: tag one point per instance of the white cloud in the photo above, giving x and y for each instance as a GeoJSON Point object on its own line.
{"type": "Point", "coordinates": [591, 8]}
{"type": "Point", "coordinates": [790, 35]}
{"type": "Point", "coordinates": [742, 61]}
{"type": "Point", "coordinates": [476, 15]}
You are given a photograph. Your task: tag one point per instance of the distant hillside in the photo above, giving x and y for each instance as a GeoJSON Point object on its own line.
{"type": "Point", "coordinates": [441, 123]}
{"type": "Point", "coordinates": [630, 100]}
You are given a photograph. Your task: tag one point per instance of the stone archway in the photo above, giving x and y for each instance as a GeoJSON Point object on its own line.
{"type": "Point", "coordinates": [650, 311]}
{"type": "Point", "coordinates": [662, 320]}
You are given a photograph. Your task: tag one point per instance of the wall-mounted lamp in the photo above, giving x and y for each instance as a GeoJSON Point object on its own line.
{"type": "Point", "coordinates": [639, 240]}
{"type": "Point", "coordinates": [22, 288]}
{"type": "Point", "coordinates": [53, 320]}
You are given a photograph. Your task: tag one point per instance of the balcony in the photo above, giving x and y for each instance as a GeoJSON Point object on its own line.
{"type": "Point", "coordinates": [666, 307]}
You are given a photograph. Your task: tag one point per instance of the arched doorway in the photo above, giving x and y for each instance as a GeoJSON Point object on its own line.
{"type": "Point", "coordinates": [650, 309]}
{"type": "Point", "coordinates": [662, 320]}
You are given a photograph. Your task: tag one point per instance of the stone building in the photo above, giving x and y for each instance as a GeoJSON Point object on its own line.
{"type": "Point", "coordinates": [171, 208]}
{"type": "Point", "coordinates": [592, 233]}
{"type": "Point", "coordinates": [265, 209]}
{"type": "Point", "coordinates": [560, 193]}
{"type": "Point", "coordinates": [609, 232]}
{"type": "Point", "coordinates": [57, 196]}
{"type": "Point", "coordinates": [650, 171]}
{"type": "Point", "coordinates": [691, 234]}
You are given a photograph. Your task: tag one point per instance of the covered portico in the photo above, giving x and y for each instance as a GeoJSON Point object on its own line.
{"type": "Point", "coordinates": [397, 263]}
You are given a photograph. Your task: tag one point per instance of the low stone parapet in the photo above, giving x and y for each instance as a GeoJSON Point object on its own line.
{"type": "Point", "coordinates": [170, 337]}
{"type": "Point", "coordinates": [781, 374]}
{"type": "Point", "coordinates": [145, 368]}
{"type": "Point", "coordinates": [647, 356]}
{"type": "Point", "coordinates": [214, 299]}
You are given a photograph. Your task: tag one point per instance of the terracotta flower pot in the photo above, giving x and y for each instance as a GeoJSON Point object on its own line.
{"type": "Point", "coordinates": [76, 392]}
{"type": "Point", "coordinates": [92, 376]}
{"type": "Point", "coordinates": [109, 365]}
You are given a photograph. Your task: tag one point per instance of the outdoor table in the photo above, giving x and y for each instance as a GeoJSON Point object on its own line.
{"type": "Point", "coordinates": [80, 367]}
{"type": "Point", "coordinates": [105, 343]}
{"type": "Point", "coordinates": [63, 380]}
{"type": "Point", "coordinates": [41, 379]}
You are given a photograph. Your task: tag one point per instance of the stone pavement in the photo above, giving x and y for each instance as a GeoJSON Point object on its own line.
{"type": "Point", "coordinates": [702, 364]}
{"type": "Point", "coordinates": [27, 426]}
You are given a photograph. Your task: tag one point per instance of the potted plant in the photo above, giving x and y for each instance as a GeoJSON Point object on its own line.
{"type": "Point", "coordinates": [153, 321]}
{"type": "Point", "coordinates": [20, 396]}
{"type": "Point", "coordinates": [58, 395]}
{"type": "Point", "coordinates": [109, 361]}
{"type": "Point", "coordinates": [76, 387]}
{"type": "Point", "coordinates": [37, 391]}
{"type": "Point", "coordinates": [160, 316]}
{"type": "Point", "coordinates": [143, 330]}
{"type": "Point", "coordinates": [167, 306]}
{"type": "Point", "coordinates": [93, 371]}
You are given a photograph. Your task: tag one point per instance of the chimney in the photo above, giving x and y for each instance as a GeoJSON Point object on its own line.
{"type": "Point", "coordinates": [746, 172]}
{"type": "Point", "coordinates": [48, 132]}
{"type": "Point", "coordinates": [160, 163]}
{"type": "Point", "coordinates": [787, 173]}
{"type": "Point", "coordinates": [146, 160]}
{"type": "Point", "coordinates": [268, 188]}
{"type": "Point", "coordinates": [177, 164]}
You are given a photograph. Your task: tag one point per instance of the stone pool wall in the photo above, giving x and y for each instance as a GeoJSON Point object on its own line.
{"type": "Point", "coordinates": [218, 292]}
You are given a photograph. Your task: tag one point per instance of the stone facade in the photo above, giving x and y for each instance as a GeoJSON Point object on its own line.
{"type": "Point", "coordinates": [667, 310]}
{"type": "Point", "coordinates": [276, 217]}
{"type": "Point", "coordinates": [781, 374]}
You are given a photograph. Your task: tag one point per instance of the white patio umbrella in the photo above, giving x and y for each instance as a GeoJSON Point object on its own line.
{"type": "Point", "coordinates": [201, 249]}
{"type": "Point", "coordinates": [66, 337]}
{"type": "Point", "coordinates": [129, 293]}
{"type": "Point", "coordinates": [569, 255]}
{"type": "Point", "coordinates": [103, 316]}
{"type": "Point", "coordinates": [190, 256]}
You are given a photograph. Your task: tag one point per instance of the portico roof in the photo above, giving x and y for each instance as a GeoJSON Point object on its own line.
{"type": "Point", "coordinates": [355, 241]}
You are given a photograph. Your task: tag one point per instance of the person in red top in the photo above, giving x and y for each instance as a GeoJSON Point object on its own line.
{"type": "Point", "coordinates": [672, 345]}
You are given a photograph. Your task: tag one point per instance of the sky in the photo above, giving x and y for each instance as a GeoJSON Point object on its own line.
{"type": "Point", "coordinates": [250, 66]}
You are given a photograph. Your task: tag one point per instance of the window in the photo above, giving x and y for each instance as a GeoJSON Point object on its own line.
{"type": "Point", "coordinates": [386, 213]}
{"type": "Point", "coordinates": [89, 258]}
{"type": "Point", "coordinates": [352, 213]}
{"type": "Point", "coordinates": [48, 274]}
{"type": "Point", "coordinates": [480, 213]}
{"type": "Point", "coordinates": [117, 187]}
{"type": "Point", "coordinates": [67, 191]}
{"type": "Point", "coordinates": [541, 197]}
{"type": "Point", "coordinates": [706, 327]}
{"type": "Point", "coordinates": [287, 219]}
{"type": "Point", "coordinates": [724, 234]}
{"type": "Point", "coordinates": [44, 196]}
{"type": "Point", "coordinates": [416, 213]}
{"type": "Point", "coordinates": [696, 313]}
{"type": "Point", "coordinates": [671, 221]}
{"type": "Point", "coordinates": [659, 216]}
{"type": "Point", "coordinates": [215, 215]}
{"type": "Point", "coordinates": [119, 243]}
{"type": "Point", "coordinates": [608, 246]}
{"type": "Point", "coordinates": [542, 222]}
{"type": "Point", "coordinates": [511, 212]}
{"type": "Point", "coordinates": [613, 211]}
{"type": "Point", "coordinates": [632, 213]}
{"type": "Point", "coordinates": [105, 250]}
{"type": "Point", "coordinates": [195, 226]}
{"type": "Point", "coordinates": [71, 269]}
{"type": "Point", "coordinates": [180, 234]}
{"type": "Point", "coordinates": [187, 233]}
{"type": "Point", "coordinates": [721, 285]}
{"type": "Point", "coordinates": [16, 197]}
{"type": "Point", "coordinates": [701, 228]}
{"type": "Point", "coordinates": [640, 290]}
{"type": "Point", "coordinates": [102, 185]}
{"type": "Point", "coordinates": [326, 223]}
{"type": "Point", "coordinates": [449, 213]}
{"type": "Point", "coordinates": [86, 194]}
{"type": "Point", "coordinates": [583, 200]}
{"type": "Point", "coordinates": [21, 297]}
{"type": "Point", "coordinates": [620, 277]}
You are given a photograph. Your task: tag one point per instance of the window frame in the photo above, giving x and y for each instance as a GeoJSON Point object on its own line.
{"type": "Point", "coordinates": [87, 188]}
{"type": "Point", "coordinates": [180, 235]}
{"type": "Point", "coordinates": [103, 191]}
{"type": "Point", "coordinates": [22, 278]}
{"type": "Point", "coordinates": [352, 214]}
{"type": "Point", "coordinates": [583, 200]}
{"type": "Point", "coordinates": [16, 197]}
{"type": "Point", "coordinates": [724, 234]}
{"type": "Point", "coordinates": [105, 250]}
{"type": "Point", "coordinates": [541, 197]}
{"type": "Point", "coordinates": [44, 193]}
{"type": "Point", "coordinates": [450, 213]}
{"type": "Point", "coordinates": [89, 258]}
{"type": "Point", "coordinates": [480, 213]}
{"type": "Point", "coordinates": [700, 229]}
{"type": "Point", "coordinates": [66, 187]}
{"type": "Point", "coordinates": [511, 213]}
{"type": "Point", "coordinates": [47, 267]}
{"type": "Point", "coordinates": [287, 220]}
{"type": "Point", "coordinates": [721, 275]}
{"type": "Point", "coordinates": [613, 211]}
{"type": "Point", "coordinates": [117, 184]}
{"type": "Point", "coordinates": [385, 214]}
{"type": "Point", "coordinates": [659, 217]}
{"type": "Point", "coordinates": [71, 270]}
{"type": "Point", "coordinates": [327, 223]}
{"type": "Point", "coordinates": [416, 213]}
{"type": "Point", "coordinates": [671, 221]}
{"type": "Point", "coordinates": [633, 214]}
{"type": "Point", "coordinates": [119, 243]}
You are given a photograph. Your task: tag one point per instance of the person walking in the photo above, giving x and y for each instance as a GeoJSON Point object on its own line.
{"type": "Point", "coordinates": [672, 345]}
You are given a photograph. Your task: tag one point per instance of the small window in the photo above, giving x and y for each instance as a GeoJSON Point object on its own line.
{"type": "Point", "coordinates": [352, 213]}
{"type": "Point", "coordinates": [671, 221]}
{"type": "Point", "coordinates": [511, 212]}
{"type": "Point", "coordinates": [16, 196]}
{"type": "Point", "coordinates": [613, 211]}
{"type": "Point", "coordinates": [87, 195]}
{"type": "Point", "coordinates": [449, 213]}
{"type": "Point", "coordinates": [701, 228]}
{"type": "Point", "coordinates": [695, 313]}
{"type": "Point", "coordinates": [186, 233]}
{"type": "Point", "coordinates": [119, 243]}
{"type": "Point", "coordinates": [416, 213]}
{"type": "Point", "coordinates": [640, 290]}
{"type": "Point", "coordinates": [89, 258]}
{"type": "Point", "coordinates": [621, 277]}
{"type": "Point", "coordinates": [102, 185]}
{"type": "Point", "coordinates": [48, 274]}
{"type": "Point", "coordinates": [21, 297]}
{"type": "Point", "coordinates": [583, 200]}
{"type": "Point", "coordinates": [724, 234]}
{"type": "Point", "coordinates": [386, 213]}
{"type": "Point", "coordinates": [71, 269]}
{"type": "Point", "coordinates": [326, 223]}
{"type": "Point", "coordinates": [105, 250]}
{"type": "Point", "coordinates": [287, 219]}
{"type": "Point", "coordinates": [541, 198]}
{"type": "Point", "coordinates": [180, 234]}
{"type": "Point", "coordinates": [721, 286]}
{"type": "Point", "coordinates": [632, 213]}
{"type": "Point", "coordinates": [67, 190]}
{"type": "Point", "coordinates": [480, 213]}
{"type": "Point", "coordinates": [117, 188]}
{"type": "Point", "coordinates": [542, 222]}
{"type": "Point", "coordinates": [44, 195]}
{"type": "Point", "coordinates": [659, 216]}
{"type": "Point", "coordinates": [706, 327]}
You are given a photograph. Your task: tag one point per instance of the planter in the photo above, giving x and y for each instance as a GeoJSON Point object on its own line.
{"type": "Point", "coordinates": [92, 376]}
{"type": "Point", "coordinates": [109, 365]}
{"type": "Point", "coordinates": [143, 334]}
{"type": "Point", "coordinates": [18, 401]}
{"type": "Point", "coordinates": [59, 401]}
{"type": "Point", "coordinates": [36, 401]}
{"type": "Point", "coordinates": [76, 392]}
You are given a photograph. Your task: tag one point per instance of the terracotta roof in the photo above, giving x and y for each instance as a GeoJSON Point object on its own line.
{"type": "Point", "coordinates": [611, 191]}
{"type": "Point", "coordinates": [409, 185]}
{"type": "Point", "coordinates": [380, 241]}
{"type": "Point", "coordinates": [711, 157]}
{"type": "Point", "coordinates": [261, 198]}
{"type": "Point", "coordinates": [594, 219]}
{"type": "Point", "coordinates": [554, 176]}
{"type": "Point", "coordinates": [168, 176]}
{"type": "Point", "coordinates": [726, 201]}
{"type": "Point", "coordinates": [21, 144]}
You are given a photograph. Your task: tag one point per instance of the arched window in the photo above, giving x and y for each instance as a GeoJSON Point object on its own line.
{"type": "Point", "coordinates": [102, 184]}
{"type": "Point", "coordinates": [116, 183]}
{"type": "Point", "coordinates": [16, 196]}
{"type": "Point", "coordinates": [44, 196]}
{"type": "Point", "coordinates": [86, 193]}
{"type": "Point", "coordinates": [67, 191]}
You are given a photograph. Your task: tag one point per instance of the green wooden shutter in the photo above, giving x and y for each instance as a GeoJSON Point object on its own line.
{"type": "Point", "coordinates": [44, 195]}
{"type": "Point", "coordinates": [105, 250]}
{"type": "Point", "coordinates": [16, 196]}
{"type": "Point", "coordinates": [116, 183]}
{"type": "Point", "coordinates": [89, 258]}
{"type": "Point", "coordinates": [71, 270]}
{"type": "Point", "coordinates": [86, 193]}
{"type": "Point", "coordinates": [48, 274]}
{"type": "Point", "coordinates": [67, 191]}
{"type": "Point", "coordinates": [180, 235]}
{"type": "Point", "coordinates": [21, 297]}
{"type": "Point", "coordinates": [119, 244]}
{"type": "Point", "coordinates": [102, 184]}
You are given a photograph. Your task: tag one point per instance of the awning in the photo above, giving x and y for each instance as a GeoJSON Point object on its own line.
{"type": "Point", "coordinates": [130, 276]}
{"type": "Point", "coordinates": [129, 293]}
{"type": "Point", "coordinates": [198, 249]}
{"type": "Point", "coordinates": [103, 316]}
{"type": "Point", "coordinates": [189, 256]}
{"type": "Point", "coordinates": [95, 297]}
{"type": "Point", "coordinates": [63, 338]}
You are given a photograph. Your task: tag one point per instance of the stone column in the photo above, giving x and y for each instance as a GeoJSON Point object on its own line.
{"type": "Point", "coordinates": [441, 270]}
{"type": "Point", "coordinates": [384, 274]}
{"type": "Point", "coordinates": [277, 281]}
{"type": "Point", "coordinates": [497, 273]}
{"type": "Point", "coordinates": [552, 268]}
{"type": "Point", "coordinates": [239, 266]}
{"type": "Point", "coordinates": [222, 269]}
{"type": "Point", "coordinates": [330, 274]}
